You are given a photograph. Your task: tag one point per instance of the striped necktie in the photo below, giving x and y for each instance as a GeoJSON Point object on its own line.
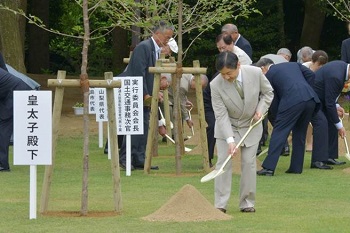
{"type": "Point", "coordinates": [239, 88]}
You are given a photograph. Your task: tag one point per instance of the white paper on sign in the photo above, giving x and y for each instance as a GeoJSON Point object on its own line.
{"type": "Point", "coordinates": [32, 120]}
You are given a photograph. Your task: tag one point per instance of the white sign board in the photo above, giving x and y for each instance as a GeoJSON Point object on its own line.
{"type": "Point", "coordinates": [92, 101]}
{"type": "Point", "coordinates": [32, 135]}
{"type": "Point", "coordinates": [101, 104]}
{"type": "Point", "coordinates": [129, 105]}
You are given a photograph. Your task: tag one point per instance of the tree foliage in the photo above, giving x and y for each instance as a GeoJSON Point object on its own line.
{"type": "Point", "coordinates": [341, 9]}
{"type": "Point", "coordinates": [198, 16]}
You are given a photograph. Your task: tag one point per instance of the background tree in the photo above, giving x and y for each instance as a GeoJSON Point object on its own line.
{"type": "Point", "coordinates": [11, 42]}
{"type": "Point", "coordinates": [38, 39]}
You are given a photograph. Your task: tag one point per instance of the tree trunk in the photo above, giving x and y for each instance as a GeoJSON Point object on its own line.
{"type": "Point", "coordinates": [120, 48]}
{"type": "Point", "coordinates": [176, 87]}
{"type": "Point", "coordinates": [38, 39]}
{"type": "Point", "coordinates": [313, 24]}
{"type": "Point", "coordinates": [84, 82]}
{"type": "Point", "coordinates": [10, 36]}
{"type": "Point", "coordinates": [281, 24]}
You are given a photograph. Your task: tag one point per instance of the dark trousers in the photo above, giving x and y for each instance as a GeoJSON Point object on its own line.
{"type": "Point", "coordinates": [120, 141]}
{"type": "Point", "coordinates": [6, 130]}
{"type": "Point", "coordinates": [295, 119]}
{"type": "Point", "coordinates": [320, 137]}
{"type": "Point", "coordinates": [138, 144]}
{"type": "Point", "coordinates": [325, 138]}
{"type": "Point", "coordinates": [210, 119]}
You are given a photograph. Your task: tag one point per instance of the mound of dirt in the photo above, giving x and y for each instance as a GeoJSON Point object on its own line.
{"type": "Point", "coordinates": [187, 205]}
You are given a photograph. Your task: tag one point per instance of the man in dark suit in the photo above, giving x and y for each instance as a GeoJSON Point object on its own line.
{"type": "Point", "coordinates": [210, 119]}
{"type": "Point", "coordinates": [8, 84]}
{"type": "Point", "coordinates": [144, 56]}
{"type": "Point", "coordinates": [238, 39]}
{"type": "Point", "coordinates": [293, 105]}
{"type": "Point", "coordinates": [329, 82]}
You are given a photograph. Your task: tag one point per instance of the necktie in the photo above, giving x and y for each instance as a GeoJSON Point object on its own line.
{"type": "Point", "coordinates": [239, 88]}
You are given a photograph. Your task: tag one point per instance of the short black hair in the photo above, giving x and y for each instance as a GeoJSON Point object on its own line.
{"type": "Point", "coordinates": [226, 59]}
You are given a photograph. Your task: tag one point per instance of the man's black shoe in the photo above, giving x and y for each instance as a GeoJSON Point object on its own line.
{"type": "Point", "coordinates": [285, 151]}
{"type": "Point", "coordinates": [335, 162]}
{"type": "Point", "coordinates": [3, 169]}
{"type": "Point", "coordinates": [265, 172]}
{"type": "Point", "coordinates": [123, 166]}
{"type": "Point", "coordinates": [258, 151]}
{"type": "Point", "coordinates": [222, 210]}
{"type": "Point", "coordinates": [142, 167]}
{"type": "Point", "coordinates": [292, 172]}
{"type": "Point", "coordinates": [210, 163]}
{"type": "Point", "coordinates": [320, 165]}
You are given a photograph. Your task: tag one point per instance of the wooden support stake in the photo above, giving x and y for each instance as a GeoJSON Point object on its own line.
{"type": "Point", "coordinates": [112, 127]}
{"type": "Point", "coordinates": [153, 123]}
{"type": "Point", "coordinates": [56, 115]}
{"type": "Point", "coordinates": [201, 116]}
{"type": "Point", "coordinates": [167, 115]}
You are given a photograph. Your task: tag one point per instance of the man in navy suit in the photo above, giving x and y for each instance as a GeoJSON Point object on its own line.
{"type": "Point", "coordinates": [329, 83]}
{"type": "Point", "coordinates": [238, 39]}
{"type": "Point", "coordinates": [144, 56]}
{"type": "Point", "coordinates": [293, 105]}
{"type": "Point", "coordinates": [8, 84]}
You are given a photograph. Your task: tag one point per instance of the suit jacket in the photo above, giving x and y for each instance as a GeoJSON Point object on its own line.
{"type": "Point", "coordinates": [345, 50]}
{"type": "Point", "coordinates": [233, 114]}
{"type": "Point", "coordinates": [329, 82]}
{"type": "Point", "coordinates": [142, 57]}
{"type": "Point", "coordinates": [244, 44]}
{"type": "Point", "coordinates": [292, 83]}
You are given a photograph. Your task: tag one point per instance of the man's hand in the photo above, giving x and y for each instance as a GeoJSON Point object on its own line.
{"type": "Point", "coordinates": [162, 130]}
{"type": "Point", "coordinates": [189, 123]}
{"type": "Point", "coordinates": [232, 149]}
{"type": "Point", "coordinates": [340, 112]}
{"type": "Point", "coordinates": [342, 132]}
{"type": "Point", "coordinates": [189, 104]}
{"type": "Point", "coordinates": [161, 97]}
{"type": "Point", "coordinates": [257, 116]}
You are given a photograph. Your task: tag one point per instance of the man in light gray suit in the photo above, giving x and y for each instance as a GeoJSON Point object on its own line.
{"type": "Point", "coordinates": [233, 113]}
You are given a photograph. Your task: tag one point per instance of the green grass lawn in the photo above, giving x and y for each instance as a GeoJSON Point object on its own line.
{"type": "Point", "coordinates": [315, 201]}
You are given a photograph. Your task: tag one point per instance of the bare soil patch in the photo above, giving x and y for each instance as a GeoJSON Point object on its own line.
{"type": "Point", "coordinates": [187, 205]}
{"type": "Point", "coordinates": [70, 214]}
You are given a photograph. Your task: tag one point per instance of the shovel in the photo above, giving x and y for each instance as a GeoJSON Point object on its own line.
{"type": "Point", "coordinates": [347, 155]}
{"type": "Point", "coordinates": [192, 130]}
{"type": "Point", "coordinates": [163, 119]}
{"type": "Point", "coordinates": [215, 173]}
{"type": "Point", "coordinates": [172, 140]}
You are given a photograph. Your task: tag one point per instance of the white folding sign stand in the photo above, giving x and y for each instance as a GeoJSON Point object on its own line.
{"type": "Point", "coordinates": [129, 111]}
{"type": "Point", "coordinates": [32, 138]}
